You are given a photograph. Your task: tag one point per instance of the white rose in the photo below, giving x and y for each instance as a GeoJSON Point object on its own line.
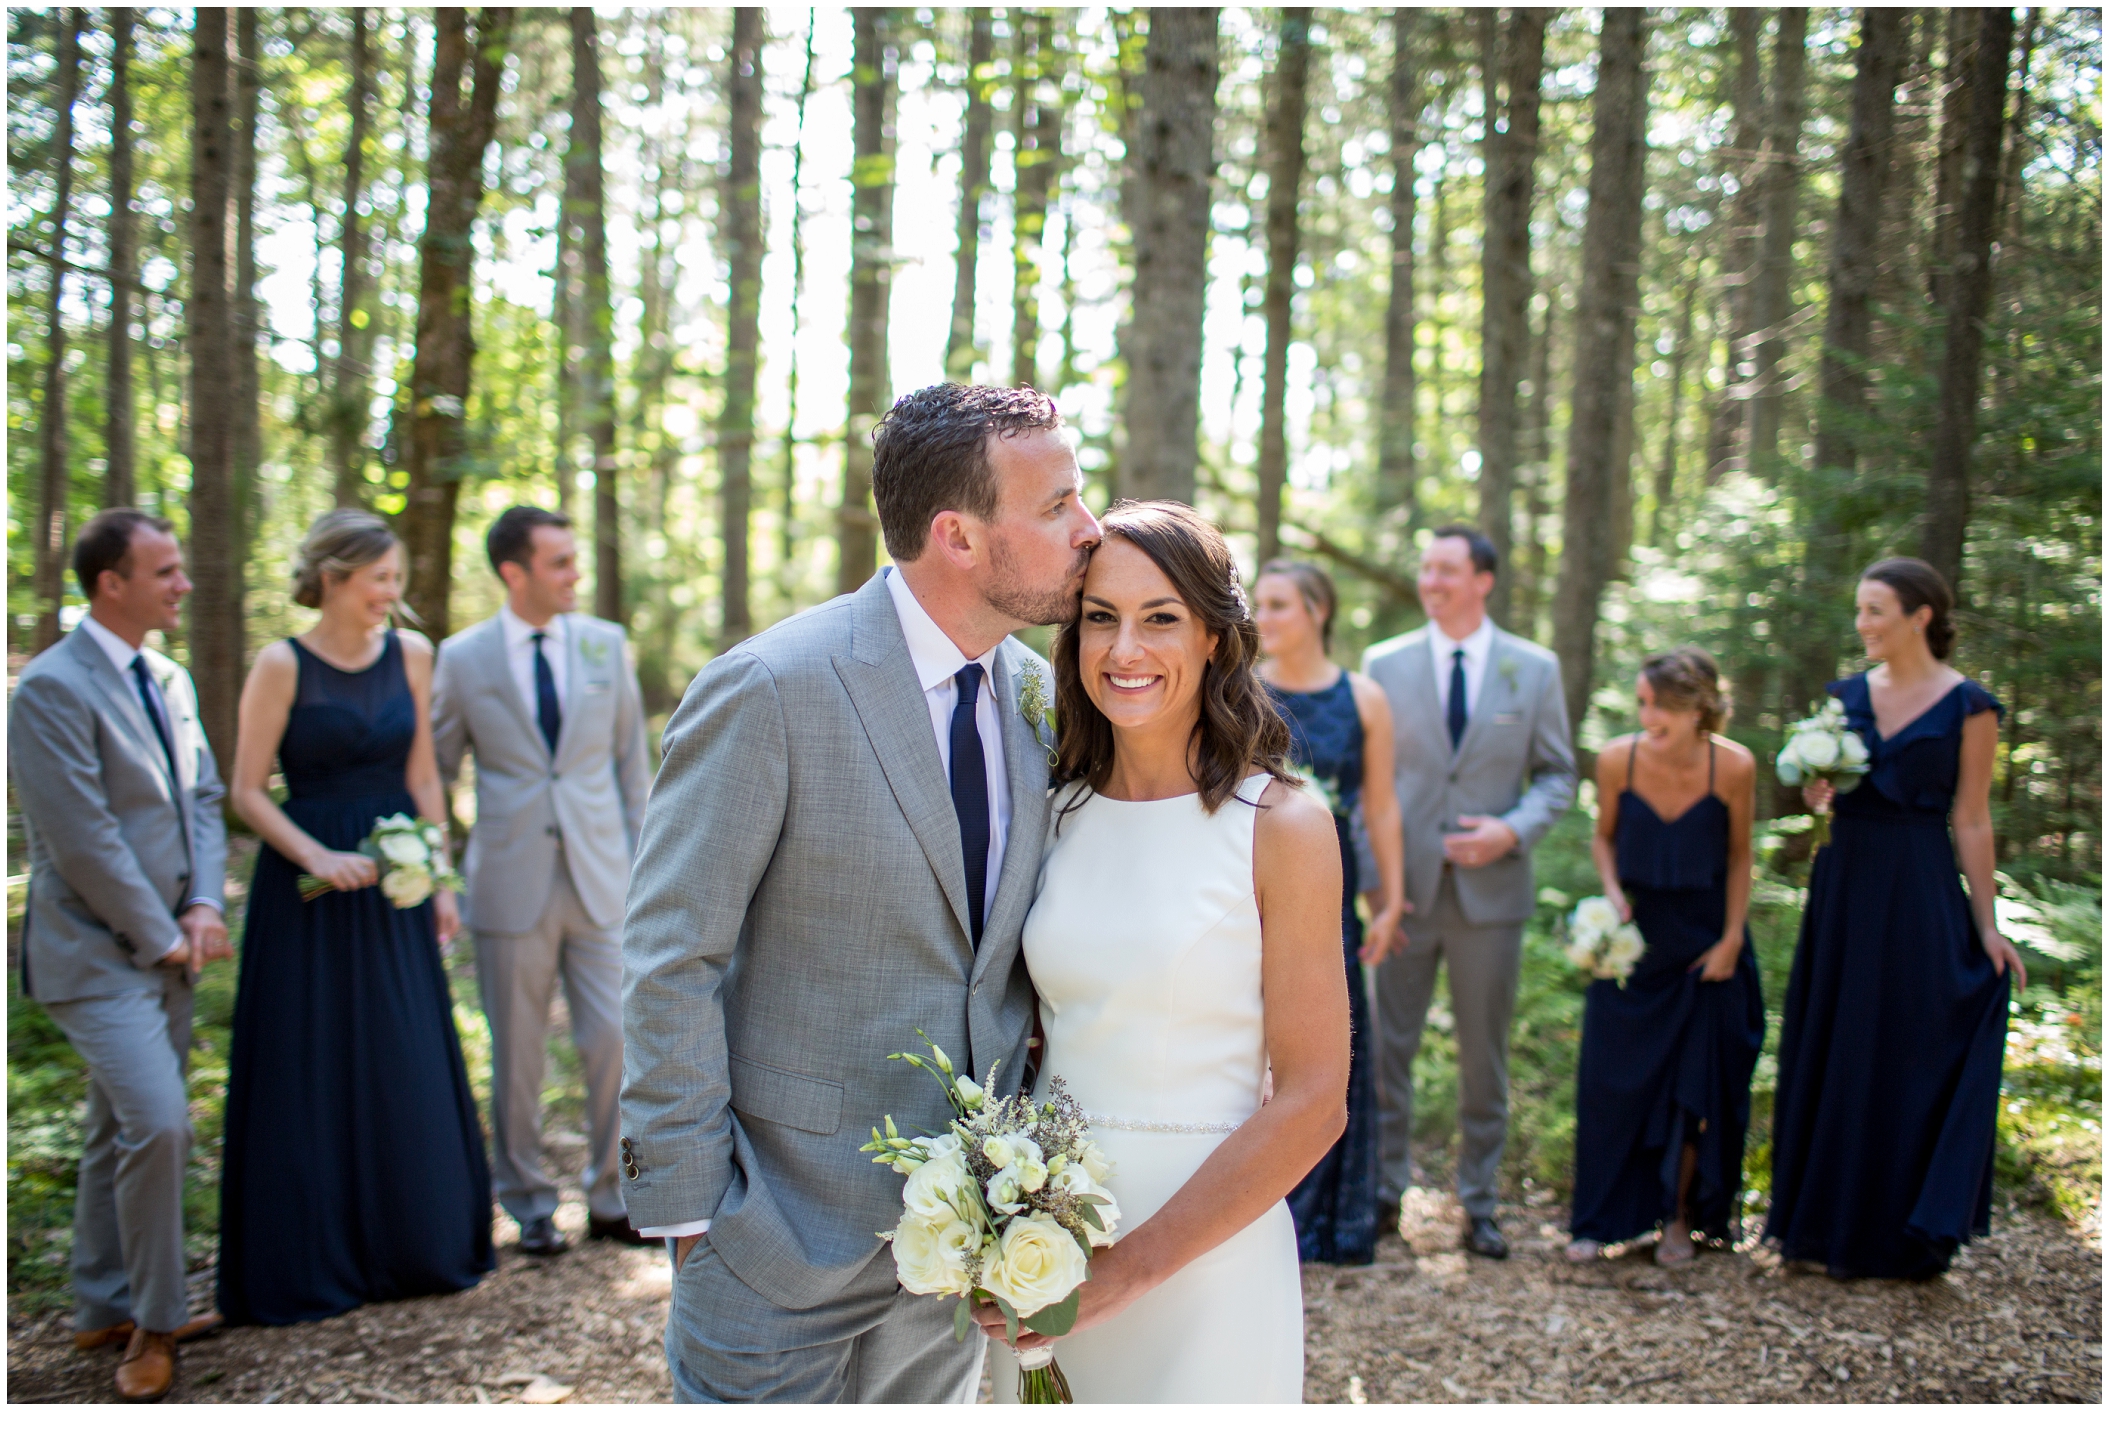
{"type": "Point", "coordinates": [1627, 945]}
{"type": "Point", "coordinates": [1095, 1161]}
{"type": "Point", "coordinates": [395, 820]}
{"type": "Point", "coordinates": [1819, 751]}
{"type": "Point", "coordinates": [927, 1255]}
{"type": "Point", "coordinates": [403, 849]}
{"type": "Point", "coordinates": [1595, 915]}
{"type": "Point", "coordinates": [1039, 1266]}
{"type": "Point", "coordinates": [933, 1189]}
{"type": "Point", "coordinates": [1077, 1181]}
{"type": "Point", "coordinates": [1852, 749]}
{"type": "Point", "coordinates": [406, 887]}
{"type": "Point", "coordinates": [1582, 954]}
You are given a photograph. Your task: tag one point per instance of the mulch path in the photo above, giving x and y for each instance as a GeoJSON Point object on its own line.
{"type": "Point", "coordinates": [2018, 1320]}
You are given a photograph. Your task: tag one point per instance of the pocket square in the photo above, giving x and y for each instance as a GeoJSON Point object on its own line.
{"type": "Point", "coordinates": [1507, 719]}
{"type": "Point", "coordinates": [593, 688]}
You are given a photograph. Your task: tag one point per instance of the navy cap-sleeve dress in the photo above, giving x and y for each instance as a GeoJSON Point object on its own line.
{"type": "Point", "coordinates": [354, 1165]}
{"type": "Point", "coordinates": [1895, 1025]}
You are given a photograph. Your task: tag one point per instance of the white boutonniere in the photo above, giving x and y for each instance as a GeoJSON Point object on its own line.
{"type": "Point", "coordinates": [1032, 706]}
{"type": "Point", "coordinates": [1507, 669]}
{"type": "Point", "coordinates": [593, 649]}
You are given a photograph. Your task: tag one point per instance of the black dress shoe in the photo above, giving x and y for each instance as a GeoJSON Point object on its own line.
{"type": "Point", "coordinates": [542, 1238]}
{"type": "Point", "coordinates": [618, 1229]}
{"type": "Point", "coordinates": [1387, 1218]}
{"type": "Point", "coordinates": [1484, 1238]}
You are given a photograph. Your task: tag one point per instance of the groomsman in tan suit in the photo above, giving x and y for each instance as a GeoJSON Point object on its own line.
{"type": "Point", "coordinates": [548, 702]}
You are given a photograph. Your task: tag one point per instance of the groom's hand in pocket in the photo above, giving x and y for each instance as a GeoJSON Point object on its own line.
{"type": "Point", "coordinates": [683, 1246]}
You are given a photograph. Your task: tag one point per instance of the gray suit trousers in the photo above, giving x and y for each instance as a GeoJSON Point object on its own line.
{"type": "Point", "coordinates": [128, 1204]}
{"type": "Point", "coordinates": [1484, 964]}
{"type": "Point", "coordinates": [518, 974]}
{"type": "Point", "coordinates": [873, 1343]}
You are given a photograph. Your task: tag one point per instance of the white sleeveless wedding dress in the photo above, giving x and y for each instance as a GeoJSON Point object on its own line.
{"type": "Point", "coordinates": [1144, 945]}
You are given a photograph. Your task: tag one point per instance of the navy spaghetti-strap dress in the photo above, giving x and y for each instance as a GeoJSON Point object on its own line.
{"type": "Point", "coordinates": [1335, 1207]}
{"type": "Point", "coordinates": [1895, 1025]}
{"type": "Point", "coordinates": [1666, 1060]}
{"type": "Point", "coordinates": [354, 1165]}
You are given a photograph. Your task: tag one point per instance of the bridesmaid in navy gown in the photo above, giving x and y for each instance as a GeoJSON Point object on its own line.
{"type": "Point", "coordinates": [1895, 1025]}
{"type": "Point", "coordinates": [1340, 731]}
{"type": "Point", "coordinates": [1662, 1099]}
{"type": "Point", "coordinates": [354, 1163]}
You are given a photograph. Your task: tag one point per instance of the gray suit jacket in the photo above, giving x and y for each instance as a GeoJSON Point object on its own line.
{"type": "Point", "coordinates": [798, 911]}
{"type": "Point", "coordinates": [117, 847]}
{"type": "Point", "coordinates": [1515, 762]}
{"type": "Point", "coordinates": [589, 796]}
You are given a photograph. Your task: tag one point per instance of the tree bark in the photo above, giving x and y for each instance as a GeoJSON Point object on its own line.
{"type": "Point", "coordinates": [348, 401]}
{"type": "Point", "coordinates": [1505, 284]}
{"type": "Point", "coordinates": [460, 129]}
{"type": "Point", "coordinates": [215, 602]}
{"type": "Point", "coordinates": [870, 289]}
{"type": "Point", "coordinates": [596, 314]}
{"type": "Point", "coordinates": [248, 382]}
{"type": "Point", "coordinates": [1772, 295]}
{"type": "Point", "coordinates": [120, 418]}
{"type": "Point", "coordinates": [1969, 295]}
{"type": "Point", "coordinates": [960, 352]}
{"type": "Point", "coordinates": [1607, 308]}
{"type": "Point", "coordinates": [1530, 561]}
{"type": "Point", "coordinates": [787, 530]}
{"type": "Point", "coordinates": [1398, 499]}
{"type": "Point", "coordinates": [1172, 168]}
{"type": "Point", "coordinates": [1660, 519]}
{"type": "Point", "coordinates": [1285, 165]}
{"type": "Point", "coordinates": [1957, 103]}
{"type": "Point", "coordinates": [740, 237]}
{"type": "Point", "coordinates": [1745, 222]}
{"type": "Point", "coordinates": [54, 482]}
{"type": "Point", "coordinates": [1036, 129]}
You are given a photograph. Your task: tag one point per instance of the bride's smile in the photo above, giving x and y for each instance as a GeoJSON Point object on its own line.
{"type": "Point", "coordinates": [1141, 651]}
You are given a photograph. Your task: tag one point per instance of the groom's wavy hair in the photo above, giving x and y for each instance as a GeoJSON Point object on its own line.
{"type": "Point", "coordinates": [930, 453]}
{"type": "Point", "coordinates": [1238, 729]}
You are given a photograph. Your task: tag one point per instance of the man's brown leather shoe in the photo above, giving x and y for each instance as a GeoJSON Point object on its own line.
{"type": "Point", "coordinates": [149, 1368]}
{"type": "Point", "coordinates": [196, 1327]}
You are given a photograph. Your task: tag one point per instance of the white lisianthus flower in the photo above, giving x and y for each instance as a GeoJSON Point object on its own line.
{"type": "Point", "coordinates": [932, 1148]}
{"type": "Point", "coordinates": [1595, 915]}
{"type": "Point", "coordinates": [1095, 1161]}
{"type": "Point", "coordinates": [970, 1092]}
{"type": "Point", "coordinates": [933, 1187]}
{"type": "Point", "coordinates": [1626, 947]}
{"type": "Point", "coordinates": [1007, 1148]}
{"type": "Point", "coordinates": [927, 1254]}
{"type": "Point", "coordinates": [404, 849]}
{"type": "Point", "coordinates": [1819, 751]}
{"type": "Point", "coordinates": [1039, 1266]}
{"type": "Point", "coordinates": [1007, 1190]}
{"type": "Point", "coordinates": [1076, 1180]}
{"type": "Point", "coordinates": [406, 887]}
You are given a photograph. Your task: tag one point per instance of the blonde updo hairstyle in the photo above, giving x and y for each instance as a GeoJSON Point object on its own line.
{"type": "Point", "coordinates": [1685, 679]}
{"type": "Point", "coordinates": [338, 544]}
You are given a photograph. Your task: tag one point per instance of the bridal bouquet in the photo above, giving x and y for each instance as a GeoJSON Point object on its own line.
{"type": "Point", "coordinates": [1821, 747]}
{"type": "Point", "coordinates": [1599, 944]}
{"type": "Point", "coordinates": [412, 857]}
{"type": "Point", "coordinates": [1004, 1206]}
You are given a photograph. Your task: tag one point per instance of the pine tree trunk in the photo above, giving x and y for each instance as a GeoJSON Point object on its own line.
{"type": "Point", "coordinates": [787, 527]}
{"type": "Point", "coordinates": [438, 453]}
{"type": "Point", "coordinates": [1166, 197]}
{"type": "Point", "coordinates": [1530, 562]}
{"type": "Point", "coordinates": [596, 313]}
{"type": "Point", "coordinates": [741, 239]}
{"type": "Point", "coordinates": [1772, 295]}
{"type": "Point", "coordinates": [1505, 286]}
{"type": "Point", "coordinates": [348, 402]}
{"type": "Point", "coordinates": [1285, 164]}
{"type": "Point", "coordinates": [120, 418]}
{"type": "Point", "coordinates": [1036, 133]}
{"type": "Point", "coordinates": [1398, 498]}
{"type": "Point", "coordinates": [248, 382]}
{"type": "Point", "coordinates": [1607, 308]}
{"type": "Point", "coordinates": [53, 479]}
{"type": "Point", "coordinates": [960, 352]}
{"type": "Point", "coordinates": [1957, 103]}
{"type": "Point", "coordinates": [870, 289]}
{"type": "Point", "coordinates": [1745, 221]}
{"type": "Point", "coordinates": [1661, 518]}
{"type": "Point", "coordinates": [1969, 296]}
{"type": "Point", "coordinates": [214, 605]}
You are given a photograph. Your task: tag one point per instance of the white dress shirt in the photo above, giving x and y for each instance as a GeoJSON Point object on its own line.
{"type": "Point", "coordinates": [1477, 645]}
{"type": "Point", "coordinates": [937, 659]}
{"type": "Point", "coordinates": [520, 656]}
{"type": "Point", "coordinates": [120, 652]}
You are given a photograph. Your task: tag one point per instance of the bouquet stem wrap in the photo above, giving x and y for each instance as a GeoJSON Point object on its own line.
{"type": "Point", "coordinates": [1040, 1378]}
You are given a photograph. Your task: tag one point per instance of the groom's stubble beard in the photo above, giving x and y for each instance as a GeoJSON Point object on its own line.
{"type": "Point", "coordinates": [1029, 605]}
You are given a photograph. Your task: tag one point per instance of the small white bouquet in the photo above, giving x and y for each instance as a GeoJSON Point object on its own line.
{"type": "Point", "coordinates": [1599, 944]}
{"type": "Point", "coordinates": [1328, 797]}
{"type": "Point", "coordinates": [1004, 1206]}
{"type": "Point", "coordinates": [412, 857]}
{"type": "Point", "coordinates": [1821, 747]}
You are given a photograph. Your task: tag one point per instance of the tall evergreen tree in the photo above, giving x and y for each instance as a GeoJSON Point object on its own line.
{"type": "Point", "coordinates": [1285, 167]}
{"type": "Point", "coordinates": [870, 288]}
{"type": "Point", "coordinates": [740, 237]}
{"type": "Point", "coordinates": [960, 353]}
{"type": "Point", "coordinates": [1396, 486]}
{"type": "Point", "coordinates": [348, 400]}
{"type": "Point", "coordinates": [1772, 291]}
{"type": "Point", "coordinates": [595, 316]}
{"type": "Point", "coordinates": [215, 604]}
{"type": "Point", "coordinates": [53, 467]}
{"type": "Point", "coordinates": [120, 415]}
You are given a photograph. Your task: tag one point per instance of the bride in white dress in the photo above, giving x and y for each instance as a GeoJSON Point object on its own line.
{"type": "Point", "coordinates": [1186, 936]}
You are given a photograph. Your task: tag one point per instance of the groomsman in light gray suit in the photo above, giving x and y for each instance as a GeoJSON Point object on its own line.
{"type": "Point", "coordinates": [127, 857]}
{"type": "Point", "coordinates": [548, 702]}
{"type": "Point", "coordinates": [1485, 767]}
{"type": "Point", "coordinates": [841, 849]}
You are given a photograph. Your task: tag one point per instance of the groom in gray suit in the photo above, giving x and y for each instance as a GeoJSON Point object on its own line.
{"type": "Point", "coordinates": [548, 702]}
{"type": "Point", "coordinates": [840, 849]}
{"type": "Point", "coordinates": [1484, 768]}
{"type": "Point", "coordinates": [127, 857]}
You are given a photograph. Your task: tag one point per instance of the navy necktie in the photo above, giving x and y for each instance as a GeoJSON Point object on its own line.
{"type": "Point", "coordinates": [970, 793]}
{"type": "Point", "coordinates": [547, 713]}
{"type": "Point", "coordinates": [1456, 718]}
{"type": "Point", "coordinates": [153, 713]}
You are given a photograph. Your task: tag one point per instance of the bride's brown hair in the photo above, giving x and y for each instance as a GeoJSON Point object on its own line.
{"type": "Point", "coordinates": [1238, 729]}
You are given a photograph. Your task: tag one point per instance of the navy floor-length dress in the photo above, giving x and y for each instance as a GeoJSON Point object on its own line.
{"type": "Point", "coordinates": [354, 1164]}
{"type": "Point", "coordinates": [1666, 1060]}
{"type": "Point", "coordinates": [1895, 1025]}
{"type": "Point", "coordinates": [1335, 1207]}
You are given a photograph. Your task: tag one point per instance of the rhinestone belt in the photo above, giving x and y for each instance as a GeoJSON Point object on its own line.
{"type": "Point", "coordinates": [1152, 1125]}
